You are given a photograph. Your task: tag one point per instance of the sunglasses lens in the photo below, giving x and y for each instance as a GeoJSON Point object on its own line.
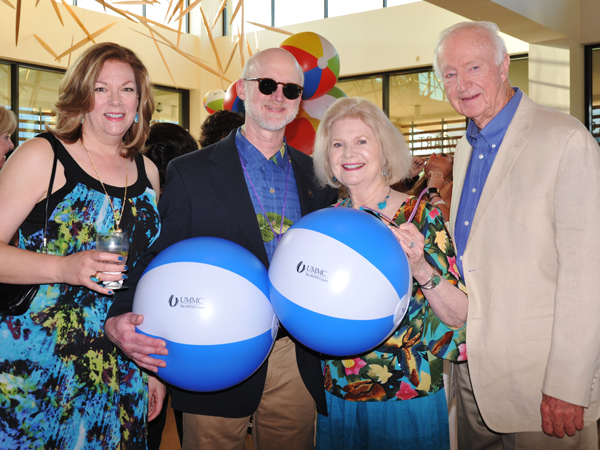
{"type": "Point", "coordinates": [266, 86]}
{"type": "Point", "coordinates": [372, 213]}
{"type": "Point", "coordinates": [291, 91]}
{"type": "Point", "coordinates": [380, 216]}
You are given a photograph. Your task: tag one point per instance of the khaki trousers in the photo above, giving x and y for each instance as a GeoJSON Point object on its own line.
{"type": "Point", "coordinates": [473, 434]}
{"type": "Point", "coordinates": [284, 420]}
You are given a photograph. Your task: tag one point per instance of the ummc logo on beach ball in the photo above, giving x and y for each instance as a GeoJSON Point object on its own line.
{"type": "Point", "coordinates": [207, 297]}
{"type": "Point", "coordinates": [340, 282]}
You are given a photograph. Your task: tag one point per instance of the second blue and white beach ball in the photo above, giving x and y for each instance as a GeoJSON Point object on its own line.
{"type": "Point", "coordinates": [340, 282]}
{"type": "Point", "coordinates": [208, 299]}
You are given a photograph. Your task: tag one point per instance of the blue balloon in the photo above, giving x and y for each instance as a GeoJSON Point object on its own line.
{"type": "Point", "coordinates": [340, 282]}
{"type": "Point", "coordinates": [208, 299]}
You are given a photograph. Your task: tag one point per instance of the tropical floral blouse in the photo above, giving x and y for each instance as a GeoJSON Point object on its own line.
{"type": "Point", "coordinates": [409, 363]}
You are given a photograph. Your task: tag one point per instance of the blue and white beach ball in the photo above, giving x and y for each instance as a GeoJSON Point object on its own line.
{"type": "Point", "coordinates": [208, 299]}
{"type": "Point", "coordinates": [340, 282]}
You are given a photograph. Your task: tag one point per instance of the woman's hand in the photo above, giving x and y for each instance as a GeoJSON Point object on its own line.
{"type": "Point", "coordinates": [435, 180]}
{"type": "Point", "coordinates": [413, 244]}
{"type": "Point", "coordinates": [448, 302]}
{"type": "Point", "coordinates": [121, 331]}
{"type": "Point", "coordinates": [416, 166]}
{"type": "Point", "coordinates": [88, 269]}
{"type": "Point", "coordinates": [156, 395]}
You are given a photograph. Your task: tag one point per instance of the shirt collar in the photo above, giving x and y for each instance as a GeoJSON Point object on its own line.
{"type": "Point", "coordinates": [493, 133]}
{"type": "Point", "coordinates": [253, 158]}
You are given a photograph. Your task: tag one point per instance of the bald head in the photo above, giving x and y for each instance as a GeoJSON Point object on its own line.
{"type": "Point", "coordinates": [271, 55]}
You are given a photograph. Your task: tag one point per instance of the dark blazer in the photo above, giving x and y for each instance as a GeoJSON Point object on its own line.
{"type": "Point", "coordinates": [206, 195]}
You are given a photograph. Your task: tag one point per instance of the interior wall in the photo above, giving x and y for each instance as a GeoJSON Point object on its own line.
{"type": "Point", "coordinates": [383, 40]}
{"type": "Point", "coordinates": [549, 74]}
{"type": "Point", "coordinates": [557, 67]}
{"type": "Point", "coordinates": [559, 29]}
{"type": "Point", "coordinates": [562, 16]}
{"type": "Point", "coordinates": [590, 14]}
{"type": "Point", "coordinates": [388, 39]}
{"type": "Point", "coordinates": [43, 22]}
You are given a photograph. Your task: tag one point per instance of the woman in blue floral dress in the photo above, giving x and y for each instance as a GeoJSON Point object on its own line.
{"type": "Point", "coordinates": [63, 385]}
{"type": "Point", "coordinates": [392, 397]}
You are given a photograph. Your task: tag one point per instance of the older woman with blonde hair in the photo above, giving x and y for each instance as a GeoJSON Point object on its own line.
{"type": "Point", "coordinates": [62, 383]}
{"type": "Point", "coordinates": [393, 396]}
{"type": "Point", "coordinates": [8, 125]}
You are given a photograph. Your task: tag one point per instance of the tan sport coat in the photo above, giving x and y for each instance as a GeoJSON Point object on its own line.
{"type": "Point", "coordinates": [532, 270]}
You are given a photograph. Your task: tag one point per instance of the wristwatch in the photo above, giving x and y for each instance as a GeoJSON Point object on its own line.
{"type": "Point", "coordinates": [433, 282]}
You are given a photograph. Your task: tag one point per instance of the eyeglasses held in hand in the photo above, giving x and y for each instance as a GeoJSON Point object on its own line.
{"type": "Point", "coordinates": [385, 219]}
{"type": "Point", "coordinates": [268, 86]}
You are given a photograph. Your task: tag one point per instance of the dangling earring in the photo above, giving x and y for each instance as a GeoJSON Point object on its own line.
{"type": "Point", "coordinates": [82, 119]}
{"type": "Point", "coordinates": [137, 118]}
{"type": "Point", "coordinates": [334, 179]}
{"type": "Point", "coordinates": [384, 171]}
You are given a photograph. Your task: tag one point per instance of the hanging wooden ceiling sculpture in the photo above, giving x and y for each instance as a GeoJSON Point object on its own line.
{"type": "Point", "coordinates": [176, 14]}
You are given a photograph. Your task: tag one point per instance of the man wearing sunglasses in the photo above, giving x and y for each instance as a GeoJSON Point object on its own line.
{"type": "Point", "coordinates": [247, 188]}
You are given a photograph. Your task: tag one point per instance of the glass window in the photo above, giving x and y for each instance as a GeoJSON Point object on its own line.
{"type": "Point", "coordinates": [342, 7]}
{"type": "Point", "coordinates": [5, 85]}
{"type": "Point", "coordinates": [370, 88]}
{"type": "Point", "coordinates": [158, 13]}
{"type": "Point", "coordinates": [169, 107]}
{"type": "Point", "coordinates": [258, 11]}
{"type": "Point", "coordinates": [93, 5]}
{"type": "Point", "coordinates": [290, 12]}
{"type": "Point", "coordinates": [420, 110]}
{"type": "Point", "coordinates": [38, 90]}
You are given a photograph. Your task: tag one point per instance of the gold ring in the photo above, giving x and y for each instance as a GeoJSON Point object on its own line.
{"type": "Point", "coordinates": [95, 275]}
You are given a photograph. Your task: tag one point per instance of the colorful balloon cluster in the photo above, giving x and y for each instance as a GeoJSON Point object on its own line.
{"type": "Point", "coordinates": [321, 65]}
{"type": "Point", "coordinates": [232, 101]}
{"type": "Point", "coordinates": [301, 132]}
{"type": "Point", "coordinates": [213, 100]}
{"type": "Point", "coordinates": [319, 61]}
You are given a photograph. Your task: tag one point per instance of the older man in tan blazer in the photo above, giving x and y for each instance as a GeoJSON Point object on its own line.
{"type": "Point", "coordinates": [525, 218]}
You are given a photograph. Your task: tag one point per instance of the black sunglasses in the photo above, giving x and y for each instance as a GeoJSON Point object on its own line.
{"type": "Point", "coordinates": [385, 219]}
{"type": "Point", "coordinates": [268, 86]}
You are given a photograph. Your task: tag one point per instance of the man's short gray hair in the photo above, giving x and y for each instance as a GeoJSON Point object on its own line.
{"type": "Point", "coordinates": [488, 29]}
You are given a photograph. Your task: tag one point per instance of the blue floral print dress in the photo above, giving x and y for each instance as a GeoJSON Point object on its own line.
{"type": "Point", "coordinates": [63, 385]}
{"type": "Point", "coordinates": [393, 397]}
